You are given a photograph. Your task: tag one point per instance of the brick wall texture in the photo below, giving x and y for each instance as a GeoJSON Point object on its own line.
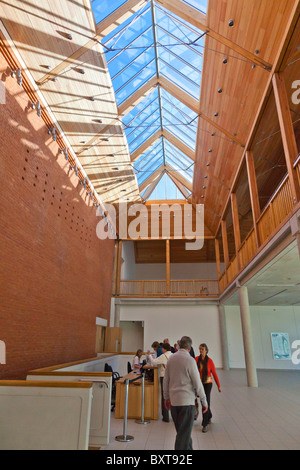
{"type": "Point", "coordinates": [55, 274]}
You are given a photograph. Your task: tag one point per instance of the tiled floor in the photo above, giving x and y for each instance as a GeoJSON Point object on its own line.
{"type": "Point", "coordinates": [263, 418]}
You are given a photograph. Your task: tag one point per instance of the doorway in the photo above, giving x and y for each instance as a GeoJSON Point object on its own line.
{"type": "Point", "coordinates": [132, 335]}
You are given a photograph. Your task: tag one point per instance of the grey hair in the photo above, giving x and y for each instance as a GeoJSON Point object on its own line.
{"type": "Point", "coordinates": [185, 342]}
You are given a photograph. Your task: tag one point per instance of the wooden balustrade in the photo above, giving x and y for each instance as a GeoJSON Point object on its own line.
{"type": "Point", "coordinates": [297, 166]}
{"type": "Point", "coordinates": [208, 288]}
{"type": "Point", "coordinates": [248, 248]}
{"type": "Point", "coordinates": [275, 213]}
{"type": "Point", "coordinates": [277, 210]}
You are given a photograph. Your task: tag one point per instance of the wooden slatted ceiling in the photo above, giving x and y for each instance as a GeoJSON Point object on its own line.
{"type": "Point", "coordinates": [39, 33]}
{"type": "Point", "coordinates": [258, 26]}
{"type": "Point", "coordinates": [177, 208]}
{"type": "Point", "coordinates": [267, 149]}
{"type": "Point", "coordinates": [155, 252]}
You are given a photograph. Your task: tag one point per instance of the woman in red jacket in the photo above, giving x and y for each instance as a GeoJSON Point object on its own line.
{"type": "Point", "coordinates": [207, 370]}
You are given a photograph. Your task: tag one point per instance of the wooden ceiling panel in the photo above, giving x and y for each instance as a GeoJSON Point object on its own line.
{"type": "Point", "coordinates": [39, 30]}
{"type": "Point", "coordinates": [155, 252]}
{"type": "Point", "coordinates": [176, 208]}
{"type": "Point", "coordinates": [258, 25]}
{"type": "Point", "coordinates": [241, 85]}
{"type": "Point", "coordinates": [40, 33]}
{"type": "Point", "coordinates": [81, 97]}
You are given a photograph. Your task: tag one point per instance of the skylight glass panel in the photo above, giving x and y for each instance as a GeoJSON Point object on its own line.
{"type": "Point", "coordinates": [165, 190]}
{"type": "Point", "coordinates": [143, 121]}
{"type": "Point", "coordinates": [178, 119]}
{"type": "Point", "coordinates": [143, 175]}
{"type": "Point", "coordinates": [149, 162]}
{"type": "Point", "coordinates": [179, 161]}
{"type": "Point", "coordinates": [130, 55]}
{"type": "Point", "coordinates": [200, 5]}
{"type": "Point", "coordinates": [180, 53]}
{"type": "Point", "coordinates": [150, 126]}
{"type": "Point", "coordinates": [104, 8]}
{"type": "Point", "coordinates": [152, 44]}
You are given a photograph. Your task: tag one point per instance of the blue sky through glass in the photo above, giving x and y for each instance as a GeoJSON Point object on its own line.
{"type": "Point", "coordinates": [103, 8]}
{"type": "Point", "coordinates": [198, 4]}
{"type": "Point", "coordinates": [133, 59]}
{"type": "Point", "coordinates": [165, 189]}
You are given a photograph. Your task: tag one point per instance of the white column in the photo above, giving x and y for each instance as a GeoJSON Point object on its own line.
{"type": "Point", "coordinates": [117, 315]}
{"type": "Point", "coordinates": [224, 341]}
{"type": "Point", "coordinates": [298, 243]}
{"type": "Point", "coordinates": [295, 228]}
{"type": "Point", "coordinates": [247, 337]}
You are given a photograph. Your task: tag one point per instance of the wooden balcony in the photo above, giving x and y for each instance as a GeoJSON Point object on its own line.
{"type": "Point", "coordinates": [204, 288]}
{"type": "Point", "coordinates": [276, 213]}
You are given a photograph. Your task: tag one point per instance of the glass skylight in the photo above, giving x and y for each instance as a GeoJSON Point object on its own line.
{"type": "Point", "coordinates": [103, 8]}
{"type": "Point", "coordinates": [165, 190]}
{"type": "Point", "coordinates": [155, 43]}
{"type": "Point", "coordinates": [198, 4]}
{"type": "Point", "coordinates": [150, 161]}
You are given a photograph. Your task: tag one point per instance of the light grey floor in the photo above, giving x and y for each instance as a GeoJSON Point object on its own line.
{"type": "Point", "coordinates": [263, 418]}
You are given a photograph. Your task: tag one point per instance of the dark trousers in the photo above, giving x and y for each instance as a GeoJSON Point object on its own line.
{"type": "Point", "coordinates": [164, 411]}
{"type": "Point", "coordinates": [183, 417]}
{"type": "Point", "coordinates": [208, 415]}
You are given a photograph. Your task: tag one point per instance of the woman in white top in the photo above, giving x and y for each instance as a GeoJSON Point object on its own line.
{"type": "Point", "coordinates": [136, 365]}
{"type": "Point", "coordinates": [162, 361]}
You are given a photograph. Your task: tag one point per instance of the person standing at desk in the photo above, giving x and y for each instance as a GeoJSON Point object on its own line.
{"type": "Point", "coordinates": [136, 365]}
{"type": "Point", "coordinates": [162, 362]}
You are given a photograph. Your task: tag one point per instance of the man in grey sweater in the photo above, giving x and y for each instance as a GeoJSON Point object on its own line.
{"type": "Point", "coordinates": [181, 385]}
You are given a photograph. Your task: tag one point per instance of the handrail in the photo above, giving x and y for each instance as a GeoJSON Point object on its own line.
{"type": "Point", "coordinates": [267, 206]}
{"type": "Point", "coordinates": [279, 207]}
{"type": "Point", "coordinates": [178, 287]}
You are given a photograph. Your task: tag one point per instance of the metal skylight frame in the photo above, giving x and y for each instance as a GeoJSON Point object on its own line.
{"type": "Point", "coordinates": [180, 124]}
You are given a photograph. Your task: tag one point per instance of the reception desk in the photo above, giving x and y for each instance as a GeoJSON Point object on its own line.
{"type": "Point", "coordinates": [135, 397]}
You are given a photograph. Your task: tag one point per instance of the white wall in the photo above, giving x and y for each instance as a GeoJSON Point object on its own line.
{"type": "Point", "coordinates": [174, 319]}
{"type": "Point", "coordinates": [264, 321]}
{"type": "Point", "coordinates": [132, 335]}
{"type": "Point", "coordinates": [128, 264]}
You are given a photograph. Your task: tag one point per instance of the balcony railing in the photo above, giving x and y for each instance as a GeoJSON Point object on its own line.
{"type": "Point", "coordinates": [278, 210]}
{"type": "Point", "coordinates": [205, 288]}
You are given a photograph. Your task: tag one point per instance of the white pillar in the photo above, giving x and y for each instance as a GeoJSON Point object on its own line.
{"type": "Point", "coordinates": [224, 341]}
{"type": "Point", "coordinates": [247, 337]}
{"type": "Point", "coordinates": [117, 315]}
{"type": "Point", "coordinates": [295, 228]}
{"type": "Point", "coordinates": [298, 243]}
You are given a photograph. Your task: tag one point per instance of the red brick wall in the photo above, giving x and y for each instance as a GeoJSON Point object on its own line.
{"type": "Point", "coordinates": [55, 274]}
